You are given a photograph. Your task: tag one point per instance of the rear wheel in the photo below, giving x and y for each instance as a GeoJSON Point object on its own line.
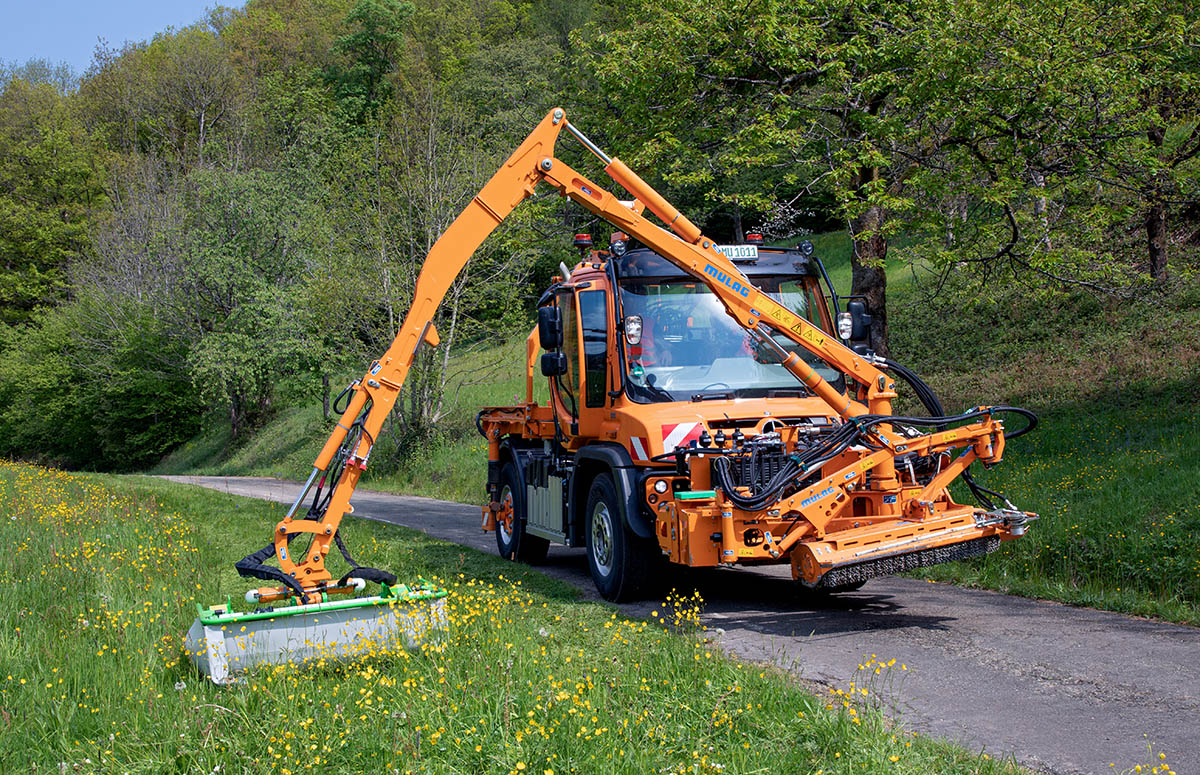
{"type": "Point", "coordinates": [513, 542]}
{"type": "Point", "coordinates": [623, 565]}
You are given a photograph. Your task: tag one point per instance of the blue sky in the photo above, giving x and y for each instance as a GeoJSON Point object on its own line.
{"type": "Point", "coordinates": [67, 30]}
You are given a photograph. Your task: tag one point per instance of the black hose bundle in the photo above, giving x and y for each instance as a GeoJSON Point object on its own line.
{"type": "Point", "coordinates": [852, 432]}
{"type": "Point", "coordinates": [798, 466]}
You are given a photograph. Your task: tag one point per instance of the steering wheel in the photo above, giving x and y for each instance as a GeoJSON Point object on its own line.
{"type": "Point", "coordinates": [717, 384]}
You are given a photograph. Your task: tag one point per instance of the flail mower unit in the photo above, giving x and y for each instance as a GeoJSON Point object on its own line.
{"type": "Point", "coordinates": [224, 643]}
{"type": "Point", "coordinates": [310, 616]}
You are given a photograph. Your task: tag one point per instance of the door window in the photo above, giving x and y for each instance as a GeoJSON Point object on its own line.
{"type": "Point", "coordinates": [566, 384]}
{"type": "Point", "coordinates": [593, 322]}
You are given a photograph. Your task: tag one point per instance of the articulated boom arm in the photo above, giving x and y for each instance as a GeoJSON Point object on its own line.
{"type": "Point", "coordinates": [344, 456]}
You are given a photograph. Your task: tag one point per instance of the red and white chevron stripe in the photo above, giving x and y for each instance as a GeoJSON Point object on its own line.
{"type": "Point", "coordinates": [679, 434]}
{"type": "Point", "coordinates": [640, 448]}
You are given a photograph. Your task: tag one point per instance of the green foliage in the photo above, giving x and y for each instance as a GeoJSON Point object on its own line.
{"type": "Point", "coordinates": [78, 394]}
{"type": "Point", "coordinates": [1032, 136]}
{"type": "Point", "coordinates": [361, 87]}
{"type": "Point", "coordinates": [244, 361]}
{"type": "Point", "coordinates": [265, 185]}
{"type": "Point", "coordinates": [50, 182]}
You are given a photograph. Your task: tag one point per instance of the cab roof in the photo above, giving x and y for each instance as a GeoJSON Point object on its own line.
{"type": "Point", "coordinates": [644, 262]}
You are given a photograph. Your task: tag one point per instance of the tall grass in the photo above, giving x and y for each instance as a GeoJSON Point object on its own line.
{"type": "Point", "coordinates": [102, 576]}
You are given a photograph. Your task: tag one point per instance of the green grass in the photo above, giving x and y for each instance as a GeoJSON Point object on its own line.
{"type": "Point", "coordinates": [102, 575]}
{"type": "Point", "coordinates": [452, 466]}
{"type": "Point", "coordinates": [1113, 468]}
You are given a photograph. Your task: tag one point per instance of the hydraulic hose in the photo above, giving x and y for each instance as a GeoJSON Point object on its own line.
{"type": "Point", "coordinates": [799, 465]}
{"type": "Point", "coordinates": [934, 406]}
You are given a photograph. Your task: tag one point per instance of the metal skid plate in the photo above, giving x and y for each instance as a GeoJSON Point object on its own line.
{"type": "Point", "coordinates": [225, 646]}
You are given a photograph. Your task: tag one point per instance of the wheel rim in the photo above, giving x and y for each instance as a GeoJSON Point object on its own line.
{"type": "Point", "coordinates": [504, 517]}
{"type": "Point", "coordinates": [602, 539]}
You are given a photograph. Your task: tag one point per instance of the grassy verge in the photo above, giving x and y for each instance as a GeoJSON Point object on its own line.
{"type": "Point", "coordinates": [102, 575]}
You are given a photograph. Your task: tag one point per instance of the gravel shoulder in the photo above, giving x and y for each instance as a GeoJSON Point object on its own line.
{"type": "Point", "coordinates": [1061, 689]}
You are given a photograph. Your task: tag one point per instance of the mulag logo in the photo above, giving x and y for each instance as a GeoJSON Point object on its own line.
{"type": "Point", "coordinates": [814, 498]}
{"type": "Point", "coordinates": [734, 285]}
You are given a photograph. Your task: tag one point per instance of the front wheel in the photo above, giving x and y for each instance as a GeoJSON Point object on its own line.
{"type": "Point", "coordinates": [623, 565]}
{"type": "Point", "coordinates": [512, 540]}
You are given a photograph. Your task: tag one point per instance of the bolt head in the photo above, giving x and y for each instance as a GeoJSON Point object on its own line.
{"type": "Point", "coordinates": [547, 164]}
{"type": "Point", "coordinates": [558, 114]}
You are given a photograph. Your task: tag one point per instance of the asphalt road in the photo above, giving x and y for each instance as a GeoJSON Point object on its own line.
{"type": "Point", "coordinates": [1062, 689]}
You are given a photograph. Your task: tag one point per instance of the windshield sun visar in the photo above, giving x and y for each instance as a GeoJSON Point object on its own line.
{"type": "Point", "coordinates": [690, 347]}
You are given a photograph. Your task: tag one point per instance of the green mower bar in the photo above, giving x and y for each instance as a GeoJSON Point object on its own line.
{"type": "Point", "coordinates": [224, 644]}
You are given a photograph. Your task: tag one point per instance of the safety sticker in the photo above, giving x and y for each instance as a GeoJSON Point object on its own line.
{"type": "Point", "coordinates": [811, 335]}
{"type": "Point", "coordinates": [889, 499]}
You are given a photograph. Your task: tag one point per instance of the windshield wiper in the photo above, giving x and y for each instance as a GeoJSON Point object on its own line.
{"type": "Point", "coordinates": [650, 390]}
{"type": "Point", "coordinates": [711, 396]}
{"type": "Point", "coordinates": [787, 393]}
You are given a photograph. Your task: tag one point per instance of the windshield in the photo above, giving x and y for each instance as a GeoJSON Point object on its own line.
{"type": "Point", "coordinates": [690, 347]}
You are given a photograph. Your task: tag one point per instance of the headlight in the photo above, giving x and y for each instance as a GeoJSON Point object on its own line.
{"type": "Point", "coordinates": [633, 329]}
{"type": "Point", "coordinates": [660, 486]}
{"type": "Point", "coordinates": [845, 325]}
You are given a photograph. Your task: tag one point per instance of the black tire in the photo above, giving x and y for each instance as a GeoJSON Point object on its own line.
{"type": "Point", "coordinates": [624, 566]}
{"type": "Point", "coordinates": [515, 543]}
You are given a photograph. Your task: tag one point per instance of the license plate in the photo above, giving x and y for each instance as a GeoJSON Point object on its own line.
{"type": "Point", "coordinates": [739, 252]}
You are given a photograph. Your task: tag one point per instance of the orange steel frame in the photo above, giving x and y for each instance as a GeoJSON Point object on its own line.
{"type": "Point", "coordinates": [683, 244]}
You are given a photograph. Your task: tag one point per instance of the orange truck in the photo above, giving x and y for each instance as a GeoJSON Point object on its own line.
{"type": "Point", "coordinates": [709, 406]}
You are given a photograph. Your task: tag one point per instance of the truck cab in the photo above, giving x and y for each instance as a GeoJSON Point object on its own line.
{"type": "Point", "coordinates": [642, 362]}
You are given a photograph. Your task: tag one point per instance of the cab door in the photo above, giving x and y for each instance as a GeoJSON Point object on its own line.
{"type": "Point", "coordinates": [595, 334]}
{"type": "Point", "coordinates": [565, 387]}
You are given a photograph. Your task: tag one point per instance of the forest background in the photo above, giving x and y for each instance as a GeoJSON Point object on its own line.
{"type": "Point", "coordinates": [205, 228]}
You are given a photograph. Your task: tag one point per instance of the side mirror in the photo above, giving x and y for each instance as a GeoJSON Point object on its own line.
{"type": "Point", "coordinates": [550, 333]}
{"type": "Point", "coordinates": [860, 321]}
{"type": "Point", "coordinates": [554, 364]}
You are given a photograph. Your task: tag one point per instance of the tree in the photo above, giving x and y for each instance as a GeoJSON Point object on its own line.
{"type": "Point", "coordinates": [50, 184]}
{"type": "Point", "coordinates": [1035, 140]}
{"type": "Point", "coordinates": [361, 86]}
{"type": "Point", "coordinates": [751, 108]}
{"type": "Point", "coordinates": [173, 96]}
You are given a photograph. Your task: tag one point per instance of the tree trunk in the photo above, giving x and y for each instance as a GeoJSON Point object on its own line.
{"type": "Point", "coordinates": [325, 395]}
{"type": "Point", "coordinates": [868, 264]}
{"type": "Point", "coordinates": [1156, 215]}
{"type": "Point", "coordinates": [235, 417]}
{"type": "Point", "coordinates": [1040, 209]}
{"type": "Point", "coordinates": [1156, 238]}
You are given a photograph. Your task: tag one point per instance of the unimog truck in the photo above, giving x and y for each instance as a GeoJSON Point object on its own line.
{"type": "Point", "coordinates": [661, 407]}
